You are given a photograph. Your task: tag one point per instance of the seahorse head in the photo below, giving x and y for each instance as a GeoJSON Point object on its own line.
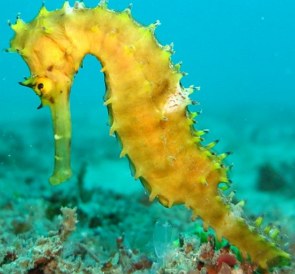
{"type": "Point", "coordinates": [50, 62]}
{"type": "Point", "coordinates": [52, 69]}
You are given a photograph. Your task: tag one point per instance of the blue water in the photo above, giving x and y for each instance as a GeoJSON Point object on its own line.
{"type": "Point", "coordinates": [239, 52]}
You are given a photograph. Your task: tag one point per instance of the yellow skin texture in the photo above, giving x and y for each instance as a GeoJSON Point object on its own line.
{"type": "Point", "coordinates": [148, 109]}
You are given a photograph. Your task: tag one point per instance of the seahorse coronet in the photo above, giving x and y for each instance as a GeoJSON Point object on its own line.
{"type": "Point", "coordinates": [148, 109]}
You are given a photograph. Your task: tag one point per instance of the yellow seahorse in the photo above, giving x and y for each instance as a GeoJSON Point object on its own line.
{"type": "Point", "coordinates": [148, 109]}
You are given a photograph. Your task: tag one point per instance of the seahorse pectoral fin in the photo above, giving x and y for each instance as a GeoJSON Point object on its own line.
{"type": "Point", "coordinates": [61, 119]}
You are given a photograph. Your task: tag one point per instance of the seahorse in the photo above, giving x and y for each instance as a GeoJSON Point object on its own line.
{"type": "Point", "coordinates": [148, 110]}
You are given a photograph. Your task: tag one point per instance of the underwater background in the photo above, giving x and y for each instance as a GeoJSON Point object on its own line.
{"type": "Point", "coordinates": [240, 53]}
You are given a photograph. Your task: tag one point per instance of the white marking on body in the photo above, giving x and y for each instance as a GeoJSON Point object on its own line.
{"type": "Point", "coordinates": [176, 100]}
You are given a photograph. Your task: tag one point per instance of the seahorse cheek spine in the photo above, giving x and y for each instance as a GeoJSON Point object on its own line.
{"type": "Point", "coordinates": [148, 110]}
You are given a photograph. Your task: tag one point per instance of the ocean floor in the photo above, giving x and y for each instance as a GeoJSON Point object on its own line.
{"type": "Point", "coordinates": [101, 220]}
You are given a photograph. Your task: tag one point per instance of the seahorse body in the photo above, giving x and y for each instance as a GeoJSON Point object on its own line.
{"type": "Point", "coordinates": [148, 110]}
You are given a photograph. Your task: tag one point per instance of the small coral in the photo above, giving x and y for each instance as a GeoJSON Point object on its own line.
{"type": "Point", "coordinates": [207, 255]}
{"type": "Point", "coordinates": [44, 256]}
{"type": "Point", "coordinates": [68, 222]}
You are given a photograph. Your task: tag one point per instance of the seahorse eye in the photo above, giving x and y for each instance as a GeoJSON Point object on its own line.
{"type": "Point", "coordinates": [40, 86]}
{"type": "Point", "coordinates": [43, 86]}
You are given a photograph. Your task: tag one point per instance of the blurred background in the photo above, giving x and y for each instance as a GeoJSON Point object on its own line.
{"type": "Point", "coordinates": [241, 54]}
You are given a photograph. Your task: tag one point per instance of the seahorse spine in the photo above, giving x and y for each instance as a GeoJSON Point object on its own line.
{"type": "Point", "coordinates": [148, 109]}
